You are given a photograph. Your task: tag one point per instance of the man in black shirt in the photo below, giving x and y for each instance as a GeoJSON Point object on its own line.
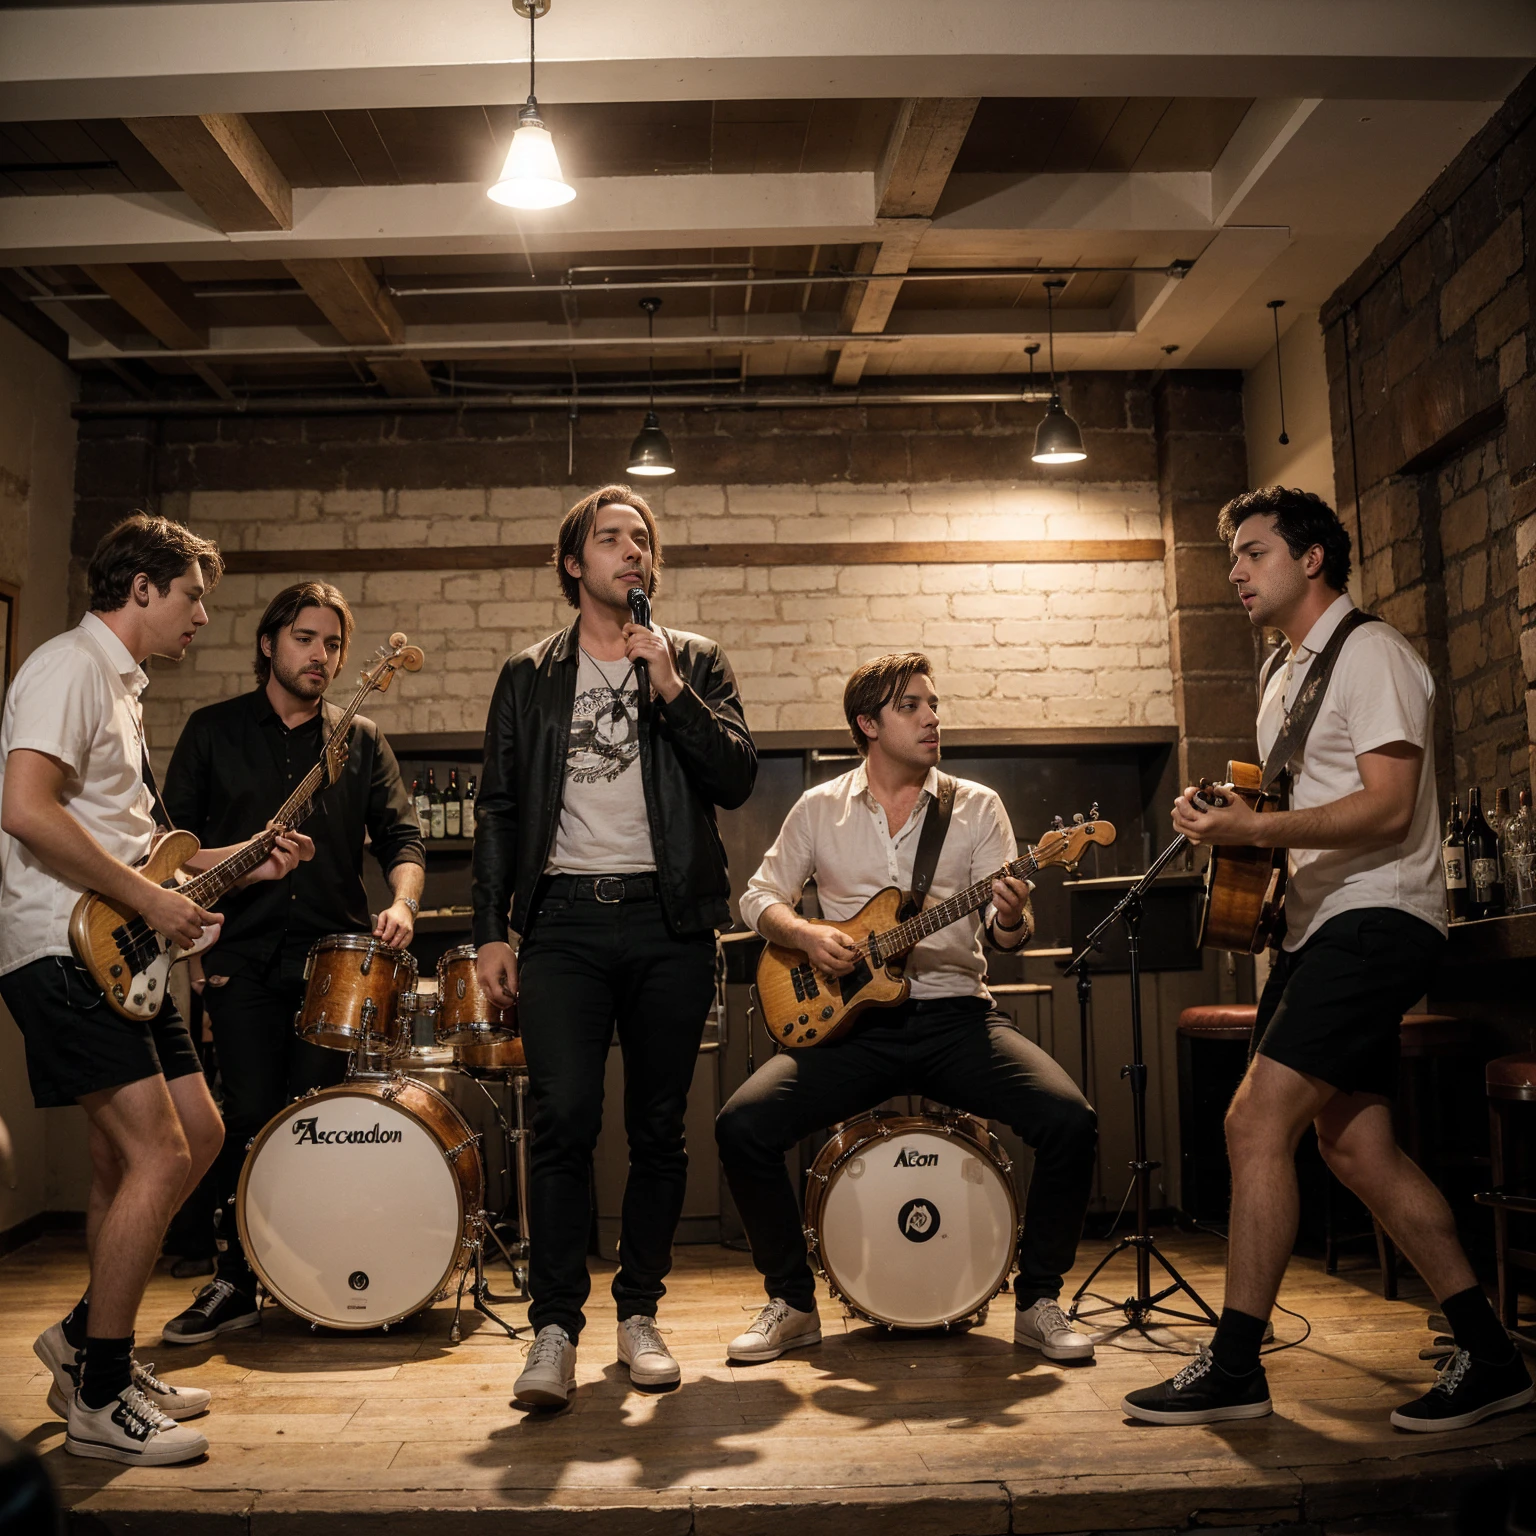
{"type": "Point", "coordinates": [235, 764]}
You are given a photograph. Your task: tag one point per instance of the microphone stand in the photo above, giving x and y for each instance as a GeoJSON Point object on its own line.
{"type": "Point", "coordinates": [1139, 1309]}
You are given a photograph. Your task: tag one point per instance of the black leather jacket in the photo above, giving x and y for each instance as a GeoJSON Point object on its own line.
{"type": "Point", "coordinates": [695, 753]}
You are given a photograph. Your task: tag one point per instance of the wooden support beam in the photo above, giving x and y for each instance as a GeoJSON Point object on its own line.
{"type": "Point", "coordinates": [494, 557]}
{"type": "Point", "coordinates": [918, 158]}
{"type": "Point", "coordinates": [352, 298]}
{"type": "Point", "coordinates": [219, 162]}
{"type": "Point", "coordinates": [164, 305]}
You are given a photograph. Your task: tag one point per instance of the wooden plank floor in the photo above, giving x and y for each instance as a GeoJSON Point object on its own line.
{"type": "Point", "coordinates": [959, 1434]}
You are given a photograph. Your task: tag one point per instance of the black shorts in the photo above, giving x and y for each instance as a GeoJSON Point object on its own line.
{"type": "Point", "coordinates": [1333, 1008]}
{"type": "Point", "coordinates": [77, 1045]}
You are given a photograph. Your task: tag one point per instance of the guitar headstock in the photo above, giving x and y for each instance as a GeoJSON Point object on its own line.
{"type": "Point", "coordinates": [1066, 842]}
{"type": "Point", "coordinates": [394, 656]}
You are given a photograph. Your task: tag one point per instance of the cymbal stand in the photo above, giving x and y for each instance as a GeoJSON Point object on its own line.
{"type": "Point", "coordinates": [1140, 1309]}
{"type": "Point", "coordinates": [515, 1161]}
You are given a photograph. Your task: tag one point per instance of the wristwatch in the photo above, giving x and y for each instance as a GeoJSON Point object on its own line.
{"type": "Point", "coordinates": [411, 902]}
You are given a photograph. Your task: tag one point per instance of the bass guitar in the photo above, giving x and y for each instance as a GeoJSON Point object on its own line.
{"type": "Point", "coordinates": [127, 958]}
{"type": "Point", "coordinates": [804, 1007]}
{"type": "Point", "coordinates": [1244, 886]}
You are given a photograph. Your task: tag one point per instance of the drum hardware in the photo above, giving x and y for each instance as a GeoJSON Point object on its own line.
{"type": "Point", "coordinates": [1140, 1308]}
{"type": "Point", "coordinates": [515, 1139]}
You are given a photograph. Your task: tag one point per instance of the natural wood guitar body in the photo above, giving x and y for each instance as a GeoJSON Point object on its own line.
{"type": "Point", "coordinates": [1244, 887]}
{"type": "Point", "coordinates": [803, 1008]}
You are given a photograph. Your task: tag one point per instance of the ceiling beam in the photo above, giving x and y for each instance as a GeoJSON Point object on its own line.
{"type": "Point", "coordinates": [353, 299]}
{"type": "Point", "coordinates": [58, 61]}
{"type": "Point", "coordinates": [919, 156]}
{"type": "Point", "coordinates": [219, 162]}
{"type": "Point", "coordinates": [164, 305]}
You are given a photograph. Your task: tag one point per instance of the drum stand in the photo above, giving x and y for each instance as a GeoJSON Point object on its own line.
{"type": "Point", "coordinates": [515, 1145]}
{"type": "Point", "coordinates": [1139, 1309]}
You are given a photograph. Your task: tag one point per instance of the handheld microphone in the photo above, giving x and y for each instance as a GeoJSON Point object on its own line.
{"type": "Point", "coordinates": [640, 612]}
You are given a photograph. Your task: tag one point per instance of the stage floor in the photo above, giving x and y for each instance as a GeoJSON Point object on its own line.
{"type": "Point", "coordinates": [964, 1434]}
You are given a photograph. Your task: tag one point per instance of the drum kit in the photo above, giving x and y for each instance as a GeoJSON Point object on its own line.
{"type": "Point", "coordinates": [360, 1205]}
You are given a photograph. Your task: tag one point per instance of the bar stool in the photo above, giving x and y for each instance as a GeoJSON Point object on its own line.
{"type": "Point", "coordinates": [1212, 1056]}
{"type": "Point", "coordinates": [1511, 1080]}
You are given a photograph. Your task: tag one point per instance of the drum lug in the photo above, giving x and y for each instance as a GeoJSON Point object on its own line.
{"type": "Point", "coordinates": [453, 1153]}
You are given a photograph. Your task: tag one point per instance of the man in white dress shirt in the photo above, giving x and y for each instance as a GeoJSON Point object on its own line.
{"type": "Point", "coordinates": [1365, 926]}
{"type": "Point", "coordinates": [859, 835]}
{"type": "Point", "coordinates": [77, 812]}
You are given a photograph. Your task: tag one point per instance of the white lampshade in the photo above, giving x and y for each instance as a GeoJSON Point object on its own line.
{"type": "Point", "coordinates": [531, 177]}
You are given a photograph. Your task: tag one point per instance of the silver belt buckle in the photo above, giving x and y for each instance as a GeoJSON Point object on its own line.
{"type": "Point", "coordinates": [600, 882]}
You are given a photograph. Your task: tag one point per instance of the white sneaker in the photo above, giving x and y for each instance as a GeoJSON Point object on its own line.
{"type": "Point", "coordinates": [63, 1361]}
{"type": "Point", "coordinates": [649, 1360]}
{"type": "Point", "coordinates": [130, 1429]}
{"type": "Point", "coordinates": [549, 1377]}
{"type": "Point", "coordinates": [776, 1328]}
{"type": "Point", "coordinates": [1047, 1328]}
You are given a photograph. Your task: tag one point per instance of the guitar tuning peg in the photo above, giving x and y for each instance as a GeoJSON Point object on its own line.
{"type": "Point", "coordinates": [1077, 820]}
{"type": "Point", "coordinates": [1093, 811]}
{"type": "Point", "coordinates": [1057, 823]}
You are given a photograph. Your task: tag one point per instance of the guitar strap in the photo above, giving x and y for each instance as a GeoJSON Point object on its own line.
{"type": "Point", "coordinates": [930, 842]}
{"type": "Point", "coordinates": [162, 816]}
{"type": "Point", "coordinates": [1299, 718]}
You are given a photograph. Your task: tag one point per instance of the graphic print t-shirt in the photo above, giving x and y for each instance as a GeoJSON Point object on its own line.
{"type": "Point", "coordinates": [603, 829]}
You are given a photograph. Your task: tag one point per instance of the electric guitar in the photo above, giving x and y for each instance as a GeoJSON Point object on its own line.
{"type": "Point", "coordinates": [803, 1007]}
{"type": "Point", "coordinates": [127, 958]}
{"type": "Point", "coordinates": [1244, 886]}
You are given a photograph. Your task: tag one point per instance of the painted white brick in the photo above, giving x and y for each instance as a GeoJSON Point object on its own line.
{"type": "Point", "coordinates": [441, 503]}
{"type": "Point", "coordinates": [687, 501]}
{"type": "Point", "coordinates": [912, 608]}
{"type": "Point", "coordinates": [1085, 605]}
{"type": "Point", "coordinates": [409, 534]}
{"type": "Point", "coordinates": [515, 617]}
{"type": "Point", "coordinates": [948, 632]}
{"type": "Point", "coordinates": [402, 586]}
{"type": "Point", "coordinates": [998, 605]}
{"type": "Point", "coordinates": [956, 578]}
{"type": "Point", "coordinates": [877, 579]}
{"type": "Point", "coordinates": [1059, 578]}
{"type": "Point", "coordinates": [864, 633]}
{"type": "Point", "coordinates": [768, 502]}
{"type": "Point", "coordinates": [1130, 632]}
{"type": "Point", "coordinates": [477, 586]}
{"type": "Point", "coordinates": [921, 526]}
{"type": "Point", "coordinates": [730, 530]}
{"type": "Point", "coordinates": [801, 578]}
{"type": "Point", "coordinates": [545, 504]}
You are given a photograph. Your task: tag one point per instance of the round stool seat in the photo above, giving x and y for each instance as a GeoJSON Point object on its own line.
{"type": "Point", "coordinates": [1435, 1034]}
{"type": "Point", "coordinates": [1512, 1077]}
{"type": "Point", "coordinates": [1219, 1021]}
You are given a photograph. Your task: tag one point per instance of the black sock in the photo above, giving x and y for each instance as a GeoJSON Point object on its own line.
{"type": "Point", "coordinates": [75, 1321]}
{"type": "Point", "coordinates": [1476, 1327]}
{"type": "Point", "coordinates": [106, 1370]}
{"type": "Point", "coordinates": [1236, 1345]}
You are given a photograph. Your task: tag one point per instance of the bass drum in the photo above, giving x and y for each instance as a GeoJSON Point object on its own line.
{"type": "Point", "coordinates": [358, 1204]}
{"type": "Point", "coordinates": [912, 1218]}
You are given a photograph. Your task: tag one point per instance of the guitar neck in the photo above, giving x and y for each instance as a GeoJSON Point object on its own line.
{"type": "Point", "coordinates": [904, 936]}
{"type": "Point", "coordinates": [214, 884]}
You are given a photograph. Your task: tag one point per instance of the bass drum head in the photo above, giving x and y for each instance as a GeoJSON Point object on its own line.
{"type": "Point", "coordinates": [917, 1229]}
{"type": "Point", "coordinates": [350, 1212]}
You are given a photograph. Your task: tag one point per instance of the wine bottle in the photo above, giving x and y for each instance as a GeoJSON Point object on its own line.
{"type": "Point", "coordinates": [435, 802]}
{"type": "Point", "coordinates": [1496, 825]}
{"type": "Point", "coordinates": [467, 816]}
{"type": "Point", "coordinates": [1515, 849]}
{"type": "Point", "coordinates": [452, 805]}
{"type": "Point", "coordinates": [423, 808]}
{"type": "Point", "coordinates": [1453, 856]}
{"type": "Point", "coordinates": [1482, 860]}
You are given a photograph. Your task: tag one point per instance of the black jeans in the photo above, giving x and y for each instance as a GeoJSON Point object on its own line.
{"type": "Point", "coordinates": [264, 1066]}
{"type": "Point", "coordinates": [583, 966]}
{"type": "Point", "coordinates": [955, 1050]}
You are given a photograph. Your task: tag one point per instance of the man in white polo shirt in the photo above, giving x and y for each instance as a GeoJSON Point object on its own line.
{"type": "Point", "coordinates": [77, 812]}
{"type": "Point", "coordinates": [1365, 926]}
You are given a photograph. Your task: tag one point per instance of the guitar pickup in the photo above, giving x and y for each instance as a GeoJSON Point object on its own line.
{"type": "Point", "coordinates": [799, 985]}
{"type": "Point", "coordinates": [804, 981]}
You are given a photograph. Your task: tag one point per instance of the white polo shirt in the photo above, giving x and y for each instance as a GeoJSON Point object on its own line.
{"type": "Point", "coordinates": [76, 698]}
{"type": "Point", "coordinates": [1380, 692]}
{"type": "Point", "coordinates": [838, 833]}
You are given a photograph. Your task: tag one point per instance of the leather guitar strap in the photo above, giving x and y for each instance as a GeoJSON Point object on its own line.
{"type": "Point", "coordinates": [162, 816]}
{"type": "Point", "coordinates": [930, 843]}
{"type": "Point", "coordinates": [1299, 718]}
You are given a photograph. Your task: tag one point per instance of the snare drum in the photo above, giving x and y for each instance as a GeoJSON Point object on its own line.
{"type": "Point", "coordinates": [912, 1218]}
{"type": "Point", "coordinates": [465, 1015]}
{"type": "Point", "coordinates": [352, 989]}
{"type": "Point", "coordinates": [357, 1205]}
{"type": "Point", "coordinates": [419, 1048]}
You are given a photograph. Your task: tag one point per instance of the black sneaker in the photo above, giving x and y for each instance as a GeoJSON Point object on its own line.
{"type": "Point", "coordinates": [221, 1307]}
{"type": "Point", "coordinates": [1202, 1393]}
{"type": "Point", "coordinates": [1467, 1392]}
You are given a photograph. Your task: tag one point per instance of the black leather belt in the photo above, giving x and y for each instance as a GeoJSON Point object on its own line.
{"type": "Point", "coordinates": [610, 890]}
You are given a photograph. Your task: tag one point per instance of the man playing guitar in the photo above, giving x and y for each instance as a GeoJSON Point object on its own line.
{"type": "Point", "coordinates": [608, 747]}
{"type": "Point", "coordinates": [1365, 926]}
{"type": "Point", "coordinates": [77, 812]}
{"type": "Point", "coordinates": [233, 765]}
{"type": "Point", "coordinates": [857, 835]}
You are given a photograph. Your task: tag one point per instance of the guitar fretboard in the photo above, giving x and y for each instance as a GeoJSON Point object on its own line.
{"type": "Point", "coordinates": [898, 940]}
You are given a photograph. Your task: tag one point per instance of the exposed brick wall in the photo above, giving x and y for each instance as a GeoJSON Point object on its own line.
{"type": "Point", "coordinates": [1015, 645]}
{"type": "Point", "coordinates": [1202, 463]}
{"type": "Point", "coordinates": [1434, 417]}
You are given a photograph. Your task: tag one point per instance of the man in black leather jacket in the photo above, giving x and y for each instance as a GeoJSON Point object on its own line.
{"type": "Point", "coordinates": [596, 826]}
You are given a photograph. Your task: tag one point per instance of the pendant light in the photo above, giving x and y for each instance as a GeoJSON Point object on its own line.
{"type": "Point", "coordinates": [531, 177]}
{"type": "Point", "coordinates": [1275, 306]}
{"type": "Point", "coordinates": [1057, 439]}
{"type": "Point", "coordinates": [651, 454]}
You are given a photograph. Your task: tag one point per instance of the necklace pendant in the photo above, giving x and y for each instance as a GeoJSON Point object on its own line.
{"type": "Point", "coordinates": [617, 712]}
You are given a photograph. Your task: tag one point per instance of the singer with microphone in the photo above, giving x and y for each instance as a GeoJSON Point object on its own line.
{"type": "Point", "coordinates": [608, 747]}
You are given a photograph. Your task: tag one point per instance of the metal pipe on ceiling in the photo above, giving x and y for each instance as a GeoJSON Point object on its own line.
{"type": "Point", "coordinates": [321, 405]}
